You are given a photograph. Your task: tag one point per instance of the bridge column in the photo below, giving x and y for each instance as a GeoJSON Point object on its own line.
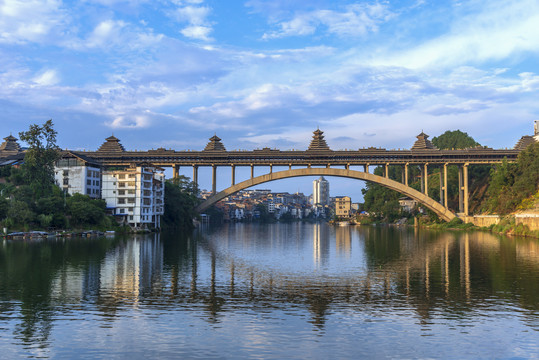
{"type": "Point", "coordinates": [387, 170]}
{"type": "Point", "coordinates": [347, 166]}
{"type": "Point", "coordinates": [252, 171]}
{"type": "Point", "coordinates": [441, 186]}
{"type": "Point", "coordinates": [195, 174]}
{"type": "Point", "coordinates": [461, 188]}
{"type": "Point", "coordinates": [366, 167]}
{"type": "Point", "coordinates": [233, 169]}
{"type": "Point", "coordinates": [213, 179]}
{"type": "Point", "coordinates": [427, 179]}
{"type": "Point", "coordinates": [445, 185]}
{"type": "Point", "coordinates": [406, 174]}
{"type": "Point", "coordinates": [271, 168]}
{"type": "Point", "coordinates": [422, 178]}
{"type": "Point", "coordinates": [175, 171]}
{"type": "Point", "coordinates": [466, 190]}
{"type": "Point", "coordinates": [289, 166]}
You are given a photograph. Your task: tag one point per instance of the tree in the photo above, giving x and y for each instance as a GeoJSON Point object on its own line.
{"type": "Point", "coordinates": [180, 203]}
{"type": "Point", "coordinates": [40, 157]}
{"type": "Point", "coordinates": [454, 140]}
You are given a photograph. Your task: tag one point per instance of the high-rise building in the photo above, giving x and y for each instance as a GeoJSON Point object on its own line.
{"type": "Point", "coordinates": [135, 195]}
{"type": "Point", "coordinates": [321, 191]}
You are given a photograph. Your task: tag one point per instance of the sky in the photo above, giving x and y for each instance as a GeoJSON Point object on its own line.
{"type": "Point", "coordinates": [267, 73]}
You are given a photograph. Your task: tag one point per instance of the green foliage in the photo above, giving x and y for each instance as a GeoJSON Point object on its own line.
{"type": "Point", "coordinates": [85, 210]}
{"type": "Point", "coordinates": [454, 140]}
{"type": "Point", "coordinates": [381, 202]}
{"type": "Point", "coordinates": [4, 208]}
{"type": "Point", "coordinates": [20, 212]}
{"type": "Point", "coordinates": [511, 184]}
{"type": "Point", "coordinates": [180, 203]}
{"type": "Point", "coordinates": [40, 157]}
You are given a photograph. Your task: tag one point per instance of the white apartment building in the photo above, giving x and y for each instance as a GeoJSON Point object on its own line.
{"type": "Point", "coordinates": [75, 173]}
{"type": "Point", "coordinates": [136, 195]}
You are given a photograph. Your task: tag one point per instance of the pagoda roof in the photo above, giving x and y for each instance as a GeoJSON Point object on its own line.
{"type": "Point", "coordinates": [423, 142]}
{"type": "Point", "coordinates": [112, 144]}
{"type": "Point", "coordinates": [10, 145]}
{"type": "Point", "coordinates": [524, 142]}
{"type": "Point", "coordinates": [318, 143]}
{"type": "Point", "coordinates": [215, 144]}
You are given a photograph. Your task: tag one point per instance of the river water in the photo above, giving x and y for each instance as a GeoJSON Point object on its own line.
{"type": "Point", "coordinates": [279, 291]}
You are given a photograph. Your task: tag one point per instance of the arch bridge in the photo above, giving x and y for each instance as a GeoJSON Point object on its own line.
{"type": "Point", "coordinates": [319, 159]}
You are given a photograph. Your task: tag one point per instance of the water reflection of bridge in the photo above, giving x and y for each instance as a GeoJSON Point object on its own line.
{"type": "Point", "coordinates": [415, 270]}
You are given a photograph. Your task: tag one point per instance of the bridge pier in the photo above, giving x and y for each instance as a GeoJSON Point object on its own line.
{"type": "Point", "coordinates": [233, 169]}
{"type": "Point", "coordinates": [406, 174]}
{"type": "Point", "coordinates": [175, 171]}
{"type": "Point", "coordinates": [213, 179]}
{"type": "Point", "coordinates": [445, 185]}
{"type": "Point", "coordinates": [252, 171]}
{"type": "Point", "coordinates": [463, 189]}
{"type": "Point", "coordinates": [387, 171]}
{"type": "Point", "coordinates": [426, 179]}
{"type": "Point", "coordinates": [195, 174]}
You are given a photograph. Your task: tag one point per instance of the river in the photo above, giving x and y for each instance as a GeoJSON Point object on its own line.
{"type": "Point", "coordinates": [277, 291]}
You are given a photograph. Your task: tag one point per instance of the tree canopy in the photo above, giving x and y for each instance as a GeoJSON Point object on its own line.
{"type": "Point", "coordinates": [40, 157]}
{"type": "Point", "coordinates": [455, 139]}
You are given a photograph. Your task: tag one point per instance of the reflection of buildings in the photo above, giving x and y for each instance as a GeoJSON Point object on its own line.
{"type": "Point", "coordinates": [320, 243]}
{"type": "Point", "coordinates": [343, 239]}
{"type": "Point", "coordinates": [321, 192]}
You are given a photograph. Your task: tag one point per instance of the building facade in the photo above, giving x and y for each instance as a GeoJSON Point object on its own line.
{"type": "Point", "coordinates": [343, 206]}
{"type": "Point", "coordinates": [135, 195]}
{"type": "Point", "coordinates": [78, 174]}
{"type": "Point", "coordinates": [321, 192]}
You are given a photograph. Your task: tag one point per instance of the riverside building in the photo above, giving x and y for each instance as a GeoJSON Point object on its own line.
{"type": "Point", "coordinates": [135, 195]}
{"type": "Point", "coordinates": [75, 173]}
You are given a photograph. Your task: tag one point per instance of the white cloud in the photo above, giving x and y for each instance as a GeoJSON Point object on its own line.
{"type": "Point", "coordinates": [197, 32]}
{"type": "Point", "coordinates": [195, 15]}
{"type": "Point", "coordinates": [129, 122]}
{"type": "Point", "coordinates": [47, 78]}
{"type": "Point", "coordinates": [29, 20]}
{"type": "Point", "coordinates": [499, 30]}
{"type": "Point", "coordinates": [356, 20]}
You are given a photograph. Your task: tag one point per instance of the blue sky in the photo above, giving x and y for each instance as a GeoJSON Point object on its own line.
{"type": "Point", "coordinates": [171, 73]}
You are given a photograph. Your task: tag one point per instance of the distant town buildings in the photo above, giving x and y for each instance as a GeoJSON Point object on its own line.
{"type": "Point", "coordinates": [343, 206]}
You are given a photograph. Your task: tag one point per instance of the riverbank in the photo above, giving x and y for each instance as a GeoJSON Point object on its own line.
{"type": "Point", "coordinates": [507, 225]}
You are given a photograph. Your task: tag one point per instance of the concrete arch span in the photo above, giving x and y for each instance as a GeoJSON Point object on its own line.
{"type": "Point", "coordinates": [428, 202]}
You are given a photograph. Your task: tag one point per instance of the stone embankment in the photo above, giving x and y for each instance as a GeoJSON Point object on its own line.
{"type": "Point", "coordinates": [529, 219]}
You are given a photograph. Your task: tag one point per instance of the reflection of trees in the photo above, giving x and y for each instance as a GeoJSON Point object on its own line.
{"type": "Point", "coordinates": [449, 273]}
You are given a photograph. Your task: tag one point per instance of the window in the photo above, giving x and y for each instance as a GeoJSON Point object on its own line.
{"type": "Point", "coordinates": [121, 200]}
{"type": "Point", "coordinates": [131, 192]}
{"type": "Point", "coordinates": [66, 181]}
{"type": "Point", "coordinates": [66, 172]}
{"type": "Point", "coordinates": [88, 182]}
{"type": "Point", "coordinates": [121, 176]}
{"type": "Point", "coordinates": [131, 176]}
{"type": "Point", "coordinates": [122, 211]}
{"type": "Point", "coordinates": [122, 184]}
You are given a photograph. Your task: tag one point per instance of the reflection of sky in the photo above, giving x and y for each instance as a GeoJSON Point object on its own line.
{"type": "Point", "coordinates": [297, 250]}
{"type": "Point", "coordinates": [290, 291]}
